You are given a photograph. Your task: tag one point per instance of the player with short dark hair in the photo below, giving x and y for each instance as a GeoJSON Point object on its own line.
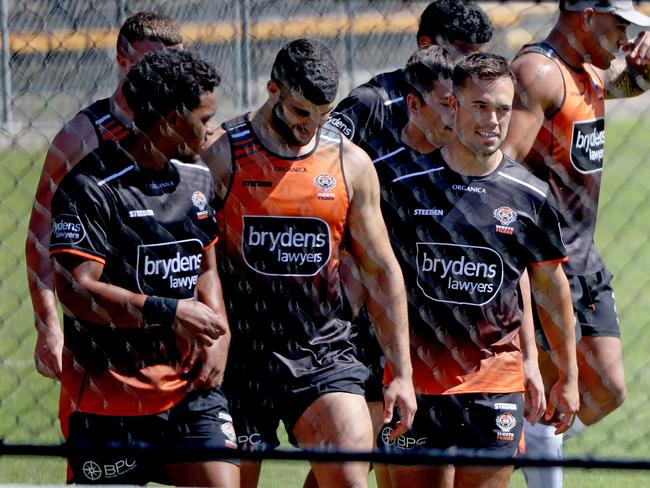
{"type": "Point", "coordinates": [560, 104]}
{"type": "Point", "coordinates": [373, 114]}
{"type": "Point", "coordinates": [461, 27]}
{"type": "Point", "coordinates": [470, 222]}
{"type": "Point", "coordinates": [105, 120]}
{"type": "Point", "coordinates": [294, 191]}
{"type": "Point", "coordinates": [145, 329]}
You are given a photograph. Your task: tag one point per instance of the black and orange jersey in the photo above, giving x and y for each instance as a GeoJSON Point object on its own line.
{"type": "Point", "coordinates": [374, 114]}
{"type": "Point", "coordinates": [149, 230]}
{"type": "Point", "coordinates": [463, 243]}
{"type": "Point", "coordinates": [108, 127]}
{"type": "Point", "coordinates": [282, 224]}
{"type": "Point", "coordinates": [568, 154]}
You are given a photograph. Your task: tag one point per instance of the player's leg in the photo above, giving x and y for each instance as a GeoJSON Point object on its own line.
{"type": "Point", "coordinates": [202, 418]}
{"type": "Point", "coordinates": [212, 473]}
{"type": "Point", "coordinates": [337, 420]}
{"type": "Point", "coordinates": [600, 353]}
{"type": "Point", "coordinates": [382, 474]}
{"type": "Point", "coordinates": [426, 432]}
{"type": "Point", "coordinates": [482, 477]}
{"type": "Point", "coordinates": [492, 422]}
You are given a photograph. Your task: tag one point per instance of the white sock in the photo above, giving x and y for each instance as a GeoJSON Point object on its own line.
{"type": "Point", "coordinates": [541, 442]}
{"type": "Point", "coordinates": [575, 429]}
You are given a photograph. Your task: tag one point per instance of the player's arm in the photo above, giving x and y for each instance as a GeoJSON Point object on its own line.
{"type": "Point", "coordinates": [218, 158]}
{"type": "Point", "coordinates": [382, 276]}
{"type": "Point", "coordinates": [539, 90]}
{"type": "Point", "coordinates": [553, 297]}
{"type": "Point", "coordinates": [535, 398]}
{"type": "Point", "coordinates": [208, 362]}
{"type": "Point", "coordinates": [69, 146]}
{"type": "Point", "coordinates": [629, 76]}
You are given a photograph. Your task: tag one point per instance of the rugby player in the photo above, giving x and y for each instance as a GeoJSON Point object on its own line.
{"type": "Point", "coordinates": [465, 226]}
{"type": "Point", "coordinates": [107, 119]}
{"type": "Point", "coordinates": [558, 131]}
{"type": "Point", "coordinates": [133, 235]}
{"type": "Point", "coordinates": [374, 114]}
{"type": "Point", "coordinates": [294, 190]}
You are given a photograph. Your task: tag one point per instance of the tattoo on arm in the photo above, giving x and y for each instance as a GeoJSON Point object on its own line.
{"type": "Point", "coordinates": [629, 83]}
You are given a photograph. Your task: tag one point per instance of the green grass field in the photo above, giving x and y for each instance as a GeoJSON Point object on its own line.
{"type": "Point", "coordinates": [28, 402]}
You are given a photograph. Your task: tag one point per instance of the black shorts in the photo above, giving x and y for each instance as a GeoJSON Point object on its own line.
{"type": "Point", "coordinates": [486, 421]}
{"type": "Point", "coordinates": [260, 403]}
{"type": "Point", "coordinates": [368, 351]}
{"type": "Point", "coordinates": [594, 307]}
{"type": "Point", "coordinates": [200, 419]}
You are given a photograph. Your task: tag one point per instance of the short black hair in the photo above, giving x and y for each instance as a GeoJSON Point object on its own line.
{"type": "Point", "coordinates": [456, 20]}
{"type": "Point", "coordinates": [165, 80]}
{"type": "Point", "coordinates": [427, 66]}
{"type": "Point", "coordinates": [147, 25]}
{"type": "Point", "coordinates": [307, 67]}
{"type": "Point", "coordinates": [482, 66]}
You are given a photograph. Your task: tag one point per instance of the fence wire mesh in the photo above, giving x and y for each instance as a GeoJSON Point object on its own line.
{"type": "Point", "coordinates": [60, 56]}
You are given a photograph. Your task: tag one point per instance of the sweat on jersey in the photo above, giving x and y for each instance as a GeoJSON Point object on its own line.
{"type": "Point", "coordinates": [463, 243]}
{"type": "Point", "coordinates": [568, 154]}
{"type": "Point", "coordinates": [149, 230]}
{"type": "Point", "coordinates": [374, 114]}
{"type": "Point", "coordinates": [282, 224]}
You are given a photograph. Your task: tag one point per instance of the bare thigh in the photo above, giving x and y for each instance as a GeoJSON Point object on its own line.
{"type": "Point", "coordinates": [340, 421]}
{"type": "Point", "coordinates": [212, 473]}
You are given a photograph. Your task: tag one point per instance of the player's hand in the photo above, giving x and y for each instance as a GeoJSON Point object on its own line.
{"type": "Point", "coordinates": [48, 353]}
{"type": "Point", "coordinates": [196, 322]}
{"type": "Point", "coordinates": [400, 393]}
{"type": "Point", "coordinates": [205, 366]}
{"type": "Point", "coordinates": [563, 405]}
{"type": "Point", "coordinates": [534, 396]}
{"type": "Point", "coordinates": [637, 53]}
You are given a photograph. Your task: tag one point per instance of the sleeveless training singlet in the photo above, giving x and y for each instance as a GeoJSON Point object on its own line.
{"type": "Point", "coordinates": [568, 154]}
{"type": "Point", "coordinates": [281, 228]}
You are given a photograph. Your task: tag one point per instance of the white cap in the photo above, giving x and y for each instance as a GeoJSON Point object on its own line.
{"type": "Point", "coordinates": [621, 8]}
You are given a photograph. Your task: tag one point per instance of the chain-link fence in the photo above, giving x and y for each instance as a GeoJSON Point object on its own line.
{"type": "Point", "coordinates": [58, 56]}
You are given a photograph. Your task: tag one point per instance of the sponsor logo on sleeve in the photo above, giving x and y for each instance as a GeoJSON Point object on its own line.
{"type": "Point", "coordinates": [343, 123]}
{"type": "Point", "coordinates": [67, 229]}
{"type": "Point", "coordinates": [505, 216]}
{"type": "Point", "coordinates": [200, 201]}
{"type": "Point", "coordinates": [285, 246]}
{"type": "Point", "coordinates": [460, 274]}
{"type": "Point", "coordinates": [169, 268]}
{"type": "Point", "coordinates": [588, 145]}
{"type": "Point", "coordinates": [325, 183]}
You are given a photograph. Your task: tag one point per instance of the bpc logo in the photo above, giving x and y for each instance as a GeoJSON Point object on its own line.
{"type": "Point", "coordinates": [403, 441]}
{"type": "Point", "coordinates": [92, 470]}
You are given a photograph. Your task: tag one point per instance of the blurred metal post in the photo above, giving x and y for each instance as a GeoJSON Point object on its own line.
{"type": "Point", "coordinates": [7, 116]}
{"type": "Point", "coordinates": [349, 45]}
{"type": "Point", "coordinates": [120, 14]}
{"type": "Point", "coordinates": [244, 53]}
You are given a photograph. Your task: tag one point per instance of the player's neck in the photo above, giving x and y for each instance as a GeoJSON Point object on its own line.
{"type": "Point", "coordinates": [462, 160]}
{"type": "Point", "coordinates": [120, 107]}
{"type": "Point", "coordinates": [569, 52]}
{"type": "Point", "coordinates": [146, 154]}
{"type": "Point", "coordinates": [416, 139]}
{"type": "Point", "coordinates": [262, 125]}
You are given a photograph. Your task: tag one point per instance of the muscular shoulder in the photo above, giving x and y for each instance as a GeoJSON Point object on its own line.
{"type": "Point", "coordinates": [359, 170]}
{"type": "Point", "coordinates": [218, 158]}
{"type": "Point", "coordinates": [539, 81]}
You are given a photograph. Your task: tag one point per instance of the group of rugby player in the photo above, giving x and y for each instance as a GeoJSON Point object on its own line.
{"type": "Point", "coordinates": [209, 278]}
